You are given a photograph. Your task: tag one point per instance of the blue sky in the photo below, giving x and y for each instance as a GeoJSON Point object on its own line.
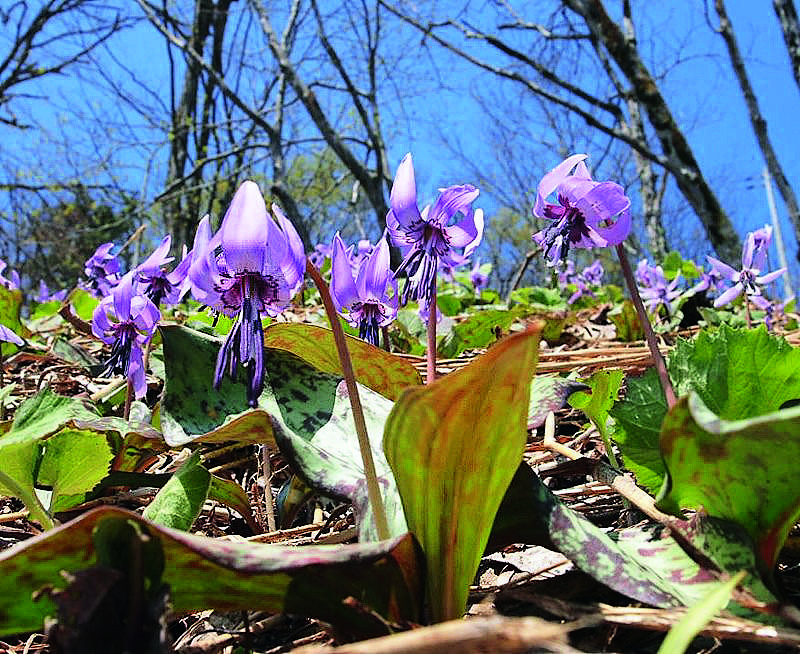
{"type": "Point", "coordinates": [701, 90]}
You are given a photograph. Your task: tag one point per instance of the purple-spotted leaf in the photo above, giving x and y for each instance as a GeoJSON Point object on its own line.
{"type": "Point", "coordinates": [740, 470]}
{"type": "Point", "coordinates": [207, 573]}
{"type": "Point", "coordinates": [454, 446]}
{"type": "Point", "coordinates": [549, 393]}
{"type": "Point", "coordinates": [644, 563]}
{"type": "Point", "coordinates": [374, 368]}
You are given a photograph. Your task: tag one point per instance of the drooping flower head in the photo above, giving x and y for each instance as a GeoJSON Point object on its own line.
{"type": "Point", "coordinates": [748, 278]}
{"type": "Point", "coordinates": [365, 300]}
{"type": "Point", "coordinates": [427, 238]}
{"type": "Point", "coordinates": [252, 265]}
{"type": "Point", "coordinates": [44, 295]}
{"type": "Point", "coordinates": [761, 240]}
{"type": "Point", "coordinates": [657, 291]}
{"type": "Point", "coordinates": [126, 320]}
{"type": "Point", "coordinates": [102, 271]}
{"type": "Point", "coordinates": [12, 282]}
{"type": "Point", "coordinates": [479, 279]}
{"type": "Point", "coordinates": [157, 284]}
{"type": "Point", "coordinates": [588, 214]}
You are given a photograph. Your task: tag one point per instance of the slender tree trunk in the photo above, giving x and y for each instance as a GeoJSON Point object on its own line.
{"type": "Point", "coordinates": [676, 149]}
{"type": "Point", "coordinates": [756, 119]}
{"type": "Point", "coordinates": [787, 15]}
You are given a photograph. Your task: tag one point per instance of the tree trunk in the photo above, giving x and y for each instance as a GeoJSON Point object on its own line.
{"type": "Point", "coordinates": [787, 15]}
{"type": "Point", "coordinates": [679, 155]}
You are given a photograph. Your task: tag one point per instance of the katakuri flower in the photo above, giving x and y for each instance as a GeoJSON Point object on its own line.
{"type": "Point", "coordinates": [748, 278]}
{"type": "Point", "coordinates": [364, 301]}
{"type": "Point", "coordinates": [8, 335]}
{"type": "Point", "coordinates": [14, 281]}
{"type": "Point", "coordinates": [479, 279]}
{"type": "Point", "coordinates": [658, 292]}
{"type": "Point", "coordinates": [102, 271]}
{"type": "Point", "coordinates": [588, 214]}
{"type": "Point", "coordinates": [126, 320]}
{"type": "Point", "coordinates": [157, 284]}
{"type": "Point", "coordinates": [252, 265]}
{"type": "Point", "coordinates": [44, 294]}
{"type": "Point", "coordinates": [426, 237]}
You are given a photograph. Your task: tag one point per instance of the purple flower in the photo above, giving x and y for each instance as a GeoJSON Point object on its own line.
{"type": "Point", "coordinates": [480, 280]}
{"type": "Point", "coordinates": [9, 336]}
{"type": "Point", "coordinates": [593, 273]}
{"type": "Point", "coordinates": [321, 252]}
{"type": "Point", "coordinates": [126, 320]}
{"type": "Point", "coordinates": [10, 284]}
{"type": "Point", "coordinates": [567, 274]}
{"type": "Point", "coordinates": [252, 265]}
{"type": "Point", "coordinates": [102, 271]}
{"type": "Point", "coordinates": [773, 310]}
{"type": "Point", "coordinates": [747, 279]}
{"type": "Point", "coordinates": [761, 238]}
{"type": "Point", "coordinates": [657, 291]}
{"type": "Point", "coordinates": [588, 214]}
{"type": "Point", "coordinates": [44, 294]}
{"type": "Point", "coordinates": [426, 237]}
{"type": "Point", "coordinates": [159, 285]}
{"type": "Point", "coordinates": [364, 298]}
{"type": "Point", "coordinates": [709, 281]}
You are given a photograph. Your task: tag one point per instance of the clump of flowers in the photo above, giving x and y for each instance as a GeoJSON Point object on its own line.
{"type": "Point", "coordinates": [12, 282]}
{"type": "Point", "coordinates": [102, 271]}
{"type": "Point", "coordinates": [656, 291]}
{"type": "Point", "coordinates": [44, 295]}
{"type": "Point", "coordinates": [588, 214]}
{"type": "Point", "coordinates": [478, 278]}
{"type": "Point", "coordinates": [252, 265]}
{"type": "Point", "coordinates": [363, 301]}
{"type": "Point", "coordinates": [591, 275]}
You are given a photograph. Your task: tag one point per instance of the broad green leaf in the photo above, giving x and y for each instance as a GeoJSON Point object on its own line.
{"type": "Point", "coordinates": [626, 321]}
{"type": "Point", "coordinates": [373, 367]}
{"type": "Point", "coordinates": [10, 307]}
{"type": "Point", "coordinates": [454, 446]}
{"type": "Point", "coordinates": [207, 573]}
{"type": "Point", "coordinates": [180, 501]}
{"type": "Point", "coordinates": [539, 296]}
{"type": "Point", "coordinates": [643, 562]}
{"type": "Point", "coordinates": [604, 385]}
{"type": "Point", "coordinates": [231, 494]}
{"type": "Point", "coordinates": [737, 373]}
{"type": "Point", "coordinates": [741, 470]}
{"type": "Point", "coordinates": [698, 616]}
{"type": "Point", "coordinates": [549, 393]}
{"type": "Point", "coordinates": [83, 303]}
{"type": "Point", "coordinates": [478, 330]}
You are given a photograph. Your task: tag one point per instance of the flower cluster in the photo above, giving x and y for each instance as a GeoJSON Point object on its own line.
{"type": "Point", "coordinates": [101, 271]}
{"type": "Point", "coordinates": [591, 275]}
{"type": "Point", "coordinates": [656, 291]}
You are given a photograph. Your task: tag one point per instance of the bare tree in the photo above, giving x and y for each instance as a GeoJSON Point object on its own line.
{"type": "Point", "coordinates": [577, 24]}
{"type": "Point", "coordinates": [790, 25]}
{"type": "Point", "coordinates": [756, 117]}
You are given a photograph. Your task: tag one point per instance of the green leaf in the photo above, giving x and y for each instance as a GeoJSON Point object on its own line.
{"type": "Point", "coordinates": [83, 303]}
{"type": "Point", "coordinates": [180, 501]}
{"type": "Point", "coordinates": [375, 368]}
{"type": "Point", "coordinates": [231, 494]}
{"type": "Point", "coordinates": [626, 321]}
{"type": "Point", "coordinates": [742, 470]}
{"type": "Point", "coordinates": [681, 635]}
{"type": "Point", "coordinates": [207, 573]}
{"type": "Point", "coordinates": [454, 446]}
{"type": "Point", "coordinates": [477, 331]}
{"type": "Point", "coordinates": [737, 373]}
{"type": "Point", "coordinates": [604, 385]}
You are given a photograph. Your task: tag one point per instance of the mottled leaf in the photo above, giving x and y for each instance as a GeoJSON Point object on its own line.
{"type": "Point", "coordinates": [207, 573]}
{"type": "Point", "coordinates": [478, 330]}
{"type": "Point", "coordinates": [374, 368]}
{"type": "Point", "coordinates": [454, 446]}
{"type": "Point", "coordinates": [549, 393]}
{"type": "Point", "coordinates": [626, 321]}
{"type": "Point", "coordinates": [179, 502]}
{"type": "Point", "coordinates": [741, 470]}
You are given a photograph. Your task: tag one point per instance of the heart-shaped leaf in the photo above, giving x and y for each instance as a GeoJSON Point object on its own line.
{"type": "Point", "coordinates": [454, 446]}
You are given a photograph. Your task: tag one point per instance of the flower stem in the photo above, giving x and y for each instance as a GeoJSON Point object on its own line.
{"type": "Point", "coordinates": [385, 338]}
{"type": "Point", "coordinates": [431, 352]}
{"type": "Point", "coordinates": [649, 335]}
{"type": "Point", "coordinates": [126, 412]}
{"type": "Point", "coordinates": [373, 489]}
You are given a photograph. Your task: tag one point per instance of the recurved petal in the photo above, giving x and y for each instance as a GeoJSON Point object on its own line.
{"type": "Point", "coordinates": [770, 277]}
{"type": "Point", "coordinates": [136, 373]}
{"type": "Point", "coordinates": [8, 335]}
{"type": "Point", "coordinates": [374, 273]}
{"type": "Point", "coordinates": [245, 230]}
{"type": "Point", "coordinates": [552, 180]}
{"type": "Point", "coordinates": [293, 261]}
{"type": "Point", "coordinates": [722, 268]}
{"type": "Point", "coordinates": [343, 289]}
{"type": "Point", "coordinates": [451, 200]}
{"type": "Point", "coordinates": [403, 198]}
{"type": "Point", "coordinates": [467, 233]}
{"type": "Point", "coordinates": [158, 258]}
{"type": "Point", "coordinates": [728, 296]}
{"type": "Point", "coordinates": [101, 325]}
{"type": "Point", "coordinates": [123, 293]}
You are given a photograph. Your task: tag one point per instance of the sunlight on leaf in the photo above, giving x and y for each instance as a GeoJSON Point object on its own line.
{"type": "Point", "coordinates": [179, 502]}
{"type": "Point", "coordinates": [454, 447]}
